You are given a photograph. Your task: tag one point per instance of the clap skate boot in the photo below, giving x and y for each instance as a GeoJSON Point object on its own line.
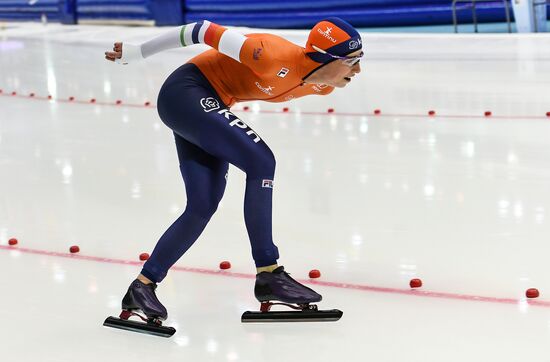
{"type": "Point", "coordinates": [278, 288]}
{"type": "Point", "coordinates": [141, 297]}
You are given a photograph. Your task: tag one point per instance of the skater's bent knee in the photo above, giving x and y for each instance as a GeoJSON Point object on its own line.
{"type": "Point", "coordinates": [263, 166]}
{"type": "Point", "coordinates": [202, 210]}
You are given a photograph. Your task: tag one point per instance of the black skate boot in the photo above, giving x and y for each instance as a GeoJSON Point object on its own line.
{"type": "Point", "coordinates": [142, 297]}
{"type": "Point", "coordinates": [279, 286]}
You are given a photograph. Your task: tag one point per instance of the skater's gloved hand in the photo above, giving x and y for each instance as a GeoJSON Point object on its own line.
{"type": "Point", "coordinates": [131, 53]}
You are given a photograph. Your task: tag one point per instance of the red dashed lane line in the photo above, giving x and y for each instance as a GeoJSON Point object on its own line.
{"type": "Point", "coordinates": [75, 101]}
{"type": "Point", "coordinates": [350, 286]}
{"type": "Point", "coordinates": [285, 110]}
{"type": "Point", "coordinates": [122, 261]}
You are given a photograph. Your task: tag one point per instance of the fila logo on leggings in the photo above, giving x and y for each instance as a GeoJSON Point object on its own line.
{"type": "Point", "coordinates": [211, 104]}
{"type": "Point", "coordinates": [267, 183]}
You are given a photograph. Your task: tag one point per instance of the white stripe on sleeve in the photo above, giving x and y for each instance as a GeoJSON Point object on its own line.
{"type": "Point", "coordinates": [188, 33]}
{"type": "Point", "coordinates": [231, 43]}
{"type": "Point", "coordinates": [202, 31]}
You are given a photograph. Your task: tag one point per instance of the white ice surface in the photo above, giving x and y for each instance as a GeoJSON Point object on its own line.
{"type": "Point", "coordinates": [458, 200]}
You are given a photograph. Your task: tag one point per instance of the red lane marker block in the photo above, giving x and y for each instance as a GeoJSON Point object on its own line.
{"type": "Point", "coordinates": [74, 249]}
{"type": "Point", "coordinates": [118, 102]}
{"type": "Point", "coordinates": [547, 113]}
{"type": "Point", "coordinates": [147, 104]}
{"type": "Point", "coordinates": [330, 110]}
{"type": "Point", "coordinates": [246, 108]}
{"type": "Point", "coordinates": [488, 113]}
{"type": "Point", "coordinates": [285, 109]}
{"type": "Point", "coordinates": [13, 241]}
{"type": "Point", "coordinates": [225, 265]}
{"type": "Point", "coordinates": [143, 256]}
{"type": "Point", "coordinates": [71, 98]}
{"type": "Point", "coordinates": [14, 93]}
{"type": "Point", "coordinates": [532, 293]}
{"type": "Point", "coordinates": [31, 95]}
{"type": "Point", "coordinates": [415, 283]}
{"type": "Point", "coordinates": [314, 274]}
{"type": "Point", "coordinates": [49, 96]}
{"type": "Point", "coordinates": [431, 113]}
{"type": "Point", "coordinates": [92, 100]}
{"type": "Point", "coordinates": [1, 91]}
{"type": "Point", "coordinates": [377, 111]}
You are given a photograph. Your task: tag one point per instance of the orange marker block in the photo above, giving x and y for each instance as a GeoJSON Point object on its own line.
{"type": "Point", "coordinates": [415, 283]}
{"type": "Point", "coordinates": [532, 293]}
{"type": "Point", "coordinates": [314, 274]}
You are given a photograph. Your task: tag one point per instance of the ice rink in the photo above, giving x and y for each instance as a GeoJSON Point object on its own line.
{"type": "Point", "coordinates": [458, 199]}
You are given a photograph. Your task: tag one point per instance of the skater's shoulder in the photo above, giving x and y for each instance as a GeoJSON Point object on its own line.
{"type": "Point", "coordinates": [275, 43]}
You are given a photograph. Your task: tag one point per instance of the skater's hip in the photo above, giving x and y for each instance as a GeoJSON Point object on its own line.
{"type": "Point", "coordinates": [187, 76]}
{"type": "Point", "coordinates": [186, 101]}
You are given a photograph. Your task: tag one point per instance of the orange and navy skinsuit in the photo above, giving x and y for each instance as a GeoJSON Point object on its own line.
{"type": "Point", "coordinates": [194, 102]}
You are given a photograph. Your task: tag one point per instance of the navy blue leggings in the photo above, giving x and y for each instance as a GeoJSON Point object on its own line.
{"type": "Point", "coordinates": [208, 138]}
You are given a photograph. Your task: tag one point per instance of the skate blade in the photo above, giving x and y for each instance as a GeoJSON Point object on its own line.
{"type": "Point", "coordinates": [139, 327]}
{"type": "Point", "coordinates": [299, 316]}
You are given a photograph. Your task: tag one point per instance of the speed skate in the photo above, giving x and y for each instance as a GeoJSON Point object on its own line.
{"type": "Point", "coordinates": [279, 289]}
{"type": "Point", "coordinates": [302, 313]}
{"type": "Point", "coordinates": [147, 326]}
{"type": "Point", "coordinates": [141, 297]}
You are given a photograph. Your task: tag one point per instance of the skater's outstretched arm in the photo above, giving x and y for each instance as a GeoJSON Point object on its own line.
{"type": "Point", "coordinates": [252, 52]}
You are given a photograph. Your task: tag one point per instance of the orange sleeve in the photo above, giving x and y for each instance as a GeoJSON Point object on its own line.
{"type": "Point", "coordinates": [252, 52]}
